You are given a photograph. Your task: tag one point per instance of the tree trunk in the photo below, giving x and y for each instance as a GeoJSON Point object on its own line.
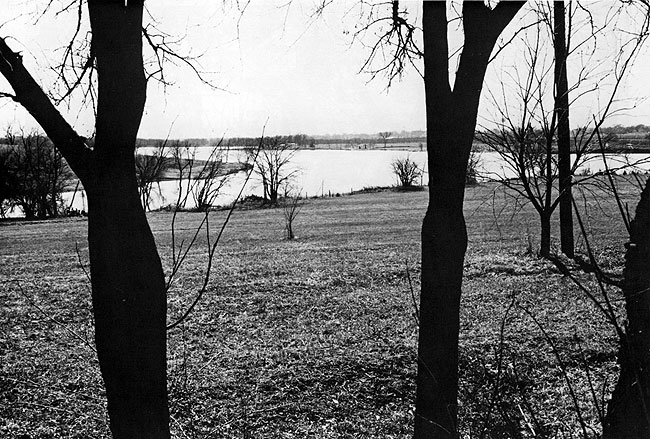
{"type": "Point", "coordinates": [451, 120]}
{"type": "Point", "coordinates": [563, 130]}
{"type": "Point", "coordinates": [628, 411]}
{"type": "Point", "coordinates": [129, 307]}
{"type": "Point", "coordinates": [545, 235]}
{"type": "Point", "coordinates": [129, 297]}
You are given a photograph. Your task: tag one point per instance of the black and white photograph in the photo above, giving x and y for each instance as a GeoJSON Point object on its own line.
{"type": "Point", "coordinates": [324, 219]}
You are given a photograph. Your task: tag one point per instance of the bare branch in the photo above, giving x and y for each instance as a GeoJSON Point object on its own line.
{"type": "Point", "coordinates": [395, 47]}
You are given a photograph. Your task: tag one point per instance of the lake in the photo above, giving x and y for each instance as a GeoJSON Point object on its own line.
{"type": "Point", "coordinates": [324, 172]}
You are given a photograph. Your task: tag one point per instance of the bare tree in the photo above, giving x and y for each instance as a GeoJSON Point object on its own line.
{"type": "Point", "coordinates": [291, 206]}
{"type": "Point", "coordinates": [385, 135]}
{"type": "Point", "coordinates": [527, 151]}
{"type": "Point", "coordinates": [407, 171]}
{"type": "Point", "coordinates": [272, 165]}
{"type": "Point", "coordinates": [528, 154]}
{"type": "Point", "coordinates": [526, 130]}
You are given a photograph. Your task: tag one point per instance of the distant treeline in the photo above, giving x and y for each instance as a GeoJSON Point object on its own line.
{"type": "Point", "coordinates": [297, 139]}
{"type": "Point", "coordinates": [638, 130]}
{"type": "Point", "coordinates": [370, 141]}
{"type": "Point", "coordinates": [303, 140]}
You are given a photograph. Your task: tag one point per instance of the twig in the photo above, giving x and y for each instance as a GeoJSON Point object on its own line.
{"type": "Point", "coordinates": [416, 310]}
{"type": "Point", "coordinates": [81, 264]}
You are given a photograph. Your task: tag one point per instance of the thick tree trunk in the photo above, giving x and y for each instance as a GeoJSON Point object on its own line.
{"type": "Point", "coordinates": [129, 296]}
{"type": "Point", "coordinates": [628, 411]}
{"type": "Point", "coordinates": [444, 241]}
{"type": "Point", "coordinates": [130, 308]}
{"type": "Point", "coordinates": [451, 120]}
{"type": "Point", "coordinates": [563, 130]}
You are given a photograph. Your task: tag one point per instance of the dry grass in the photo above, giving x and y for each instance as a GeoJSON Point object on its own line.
{"type": "Point", "coordinates": [314, 338]}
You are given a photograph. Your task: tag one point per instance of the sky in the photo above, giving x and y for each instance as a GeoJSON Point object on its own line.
{"type": "Point", "coordinates": [273, 67]}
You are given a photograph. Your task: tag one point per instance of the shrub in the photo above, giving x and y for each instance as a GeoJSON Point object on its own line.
{"type": "Point", "coordinates": [407, 171]}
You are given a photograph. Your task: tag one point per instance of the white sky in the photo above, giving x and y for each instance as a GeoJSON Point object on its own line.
{"type": "Point", "coordinates": [278, 64]}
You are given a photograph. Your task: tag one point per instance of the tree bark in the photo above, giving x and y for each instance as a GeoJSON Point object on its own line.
{"type": "Point", "coordinates": [128, 285]}
{"type": "Point", "coordinates": [451, 120]}
{"type": "Point", "coordinates": [563, 130]}
{"type": "Point", "coordinates": [628, 411]}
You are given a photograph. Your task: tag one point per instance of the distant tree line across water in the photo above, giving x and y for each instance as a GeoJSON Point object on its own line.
{"type": "Point", "coordinates": [302, 140]}
{"type": "Point", "coordinates": [619, 137]}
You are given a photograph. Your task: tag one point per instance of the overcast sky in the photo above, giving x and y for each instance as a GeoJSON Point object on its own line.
{"type": "Point", "coordinates": [272, 63]}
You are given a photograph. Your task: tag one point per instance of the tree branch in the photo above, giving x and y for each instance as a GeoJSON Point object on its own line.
{"type": "Point", "coordinates": [30, 95]}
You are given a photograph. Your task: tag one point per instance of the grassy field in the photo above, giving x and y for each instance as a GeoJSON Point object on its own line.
{"type": "Point", "coordinates": [315, 338]}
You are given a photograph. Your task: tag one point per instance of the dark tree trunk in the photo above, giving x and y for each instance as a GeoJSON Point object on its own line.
{"type": "Point", "coordinates": [129, 296]}
{"type": "Point", "coordinates": [129, 306]}
{"type": "Point", "coordinates": [451, 120]}
{"type": "Point", "coordinates": [128, 285]}
{"type": "Point", "coordinates": [545, 235]}
{"type": "Point", "coordinates": [563, 130]}
{"type": "Point", "coordinates": [628, 411]}
{"type": "Point", "coordinates": [273, 196]}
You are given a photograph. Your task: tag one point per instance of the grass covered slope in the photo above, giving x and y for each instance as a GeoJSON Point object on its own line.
{"type": "Point", "coordinates": [316, 337]}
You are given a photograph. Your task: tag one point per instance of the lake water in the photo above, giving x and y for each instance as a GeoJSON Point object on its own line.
{"type": "Point", "coordinates": [323, 172]}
